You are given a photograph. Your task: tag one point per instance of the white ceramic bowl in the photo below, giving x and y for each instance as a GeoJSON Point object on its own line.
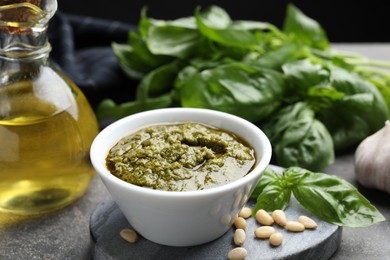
{"type": "Point", "coordinates": [181, 218]}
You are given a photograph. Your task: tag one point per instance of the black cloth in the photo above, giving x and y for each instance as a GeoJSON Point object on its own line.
{"type": "Point", "coordinates": [81, 48]}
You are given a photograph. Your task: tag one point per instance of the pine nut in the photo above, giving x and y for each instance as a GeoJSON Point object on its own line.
{"type": "Point", "coordinates": [264, 232]}
{"type": "Point", "coordinates": [129, 235]}
{"type": "Point", "coordinates": [240, 222]}
{"type": "Point", "coordinates": [308, 222]}
{"type": "Point", "coordinates": [295, 226]}
{"type": "Point", "coordinates": [239, 237]}
{"type": "Point", "coordinates": [264, 218]}
{"type": "Point", "coordinates": [279, 217]}
{"type": "Point", "coordinates": [238, 253]}
{"type": "Point", "coordinates": [245, 212]}
{"type": "Point", "coordinates": [276, 239]}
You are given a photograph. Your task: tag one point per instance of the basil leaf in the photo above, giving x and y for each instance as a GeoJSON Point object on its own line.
{"type": "Point", "coordinates": [274, 59]}
{"type": "Point", "coordinates": [323, 96]}
{"type": "Point", "coordinates": [252, 25]}
{"type": "Point", "coordinates": [268, 176]}
{"type": "Point", "coordinates": [333, 199]}
{"type": "Point", "coordinates": [141, 50]}
{"type": "Point", "coordinates": [173, 40]}
{"type": "Point", "coordinates": [381, 82]}
{"type": "Point", "coordinates": [304, 28]}
{"type": "Point", "coordinates": [144, 22]}
{"type": "Point", "coordinates": [271, 192]}
{"type": "Point", "coordinates": [159, 81]}
{"type": "Point", "coordinates": [215, 25]}
{"type": "Point", "coordinates": [214, 16]}
{"type": "Point", "coordinates": [135, 58]}
{"type": "Point", "coordinates": [178, 38]}
{"type": "Point", "coordinates": [302, 74]}
{"type": "Point", "coordinates": [130, 63]}
{"type": "Point", "coordinates": [274, 196]}
{"type": "Point", "coordinates": [184, 75]}
{"type": "Point", "coordinates": [360, 112]}
{"type": "Point", "coordinates": [306, 143]}
{"type": "Point", "coordinates": [298, 138]}
{"type": "Point", "coordinates": [276, 125]}
{"type": "Point", "coordinates": [236, 89]}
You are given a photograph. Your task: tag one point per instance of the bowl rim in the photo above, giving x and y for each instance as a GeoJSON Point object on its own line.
{"type": "Point", "coordinates": [106, 175]}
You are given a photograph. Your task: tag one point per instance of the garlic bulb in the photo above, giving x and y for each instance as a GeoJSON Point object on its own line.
{"type": "Point", "coordinates": [372, 160]}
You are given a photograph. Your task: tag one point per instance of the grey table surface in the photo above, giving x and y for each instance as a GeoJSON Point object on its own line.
{"type": "Point", "coordinates": [66, 235]}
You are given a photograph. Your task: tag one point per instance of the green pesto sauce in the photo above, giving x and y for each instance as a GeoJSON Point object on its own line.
{"type": "Point", "coordinates": [180, 157]}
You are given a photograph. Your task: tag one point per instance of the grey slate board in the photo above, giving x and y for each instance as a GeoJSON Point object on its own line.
{"type": "Point", "coordinates": [107, 221]}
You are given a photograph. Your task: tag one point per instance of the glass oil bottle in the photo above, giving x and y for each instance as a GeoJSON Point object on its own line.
{"type": "Point", "coordinates": [46, 123]}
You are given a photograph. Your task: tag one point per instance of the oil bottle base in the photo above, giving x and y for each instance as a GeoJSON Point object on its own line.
{"type": "Point", "coordinates": [40, 199]}
{"type": "Point", "coordinates": [36, 202]}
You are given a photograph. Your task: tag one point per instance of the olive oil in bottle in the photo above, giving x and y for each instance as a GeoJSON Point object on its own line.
{"type": "Point", "coordinates": [46, 123]}
{"type": "Point", "coordinates": [44, 154]}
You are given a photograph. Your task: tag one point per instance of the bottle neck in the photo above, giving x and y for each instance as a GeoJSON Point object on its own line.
{"type": "Point", "coordinates": [23, 27]}
{"type": "Point", "coordinates": [31, 43]}
{"type": "Point", "coordinates": [22, 55]}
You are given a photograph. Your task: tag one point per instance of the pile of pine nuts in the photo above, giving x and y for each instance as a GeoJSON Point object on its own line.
{"type": "Point", "coordinates": [265, 231]}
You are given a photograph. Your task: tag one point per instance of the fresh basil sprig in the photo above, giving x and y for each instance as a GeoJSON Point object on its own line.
{"type": "Point", "coordinates": [328, 197]}
{"type": "Point", "coordinates": [288, 81]}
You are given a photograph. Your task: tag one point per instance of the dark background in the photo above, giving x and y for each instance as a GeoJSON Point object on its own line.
{"type": "Point", "coordinates": [344, 21]}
